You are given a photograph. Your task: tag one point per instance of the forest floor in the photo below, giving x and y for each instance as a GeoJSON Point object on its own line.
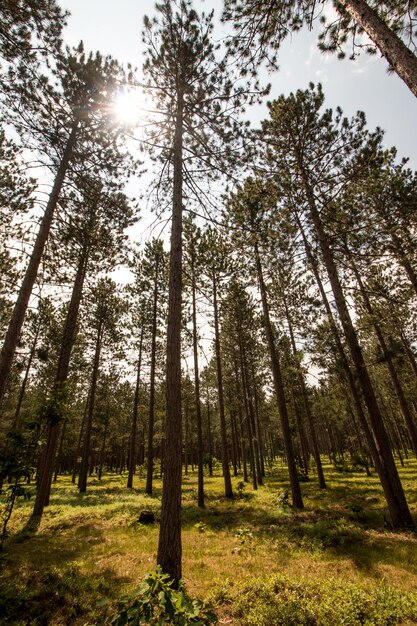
{"type": "Point", "coordinates": [259, 562]}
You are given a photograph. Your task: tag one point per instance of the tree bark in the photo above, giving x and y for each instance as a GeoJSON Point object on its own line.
{"type": "Point", "coordinates": [169, 546]}
{"type": "Point", "coordinates": [391, 46]}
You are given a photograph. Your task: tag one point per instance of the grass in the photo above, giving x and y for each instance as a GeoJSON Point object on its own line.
{"type": "Point", "coordinates": [90, 546]}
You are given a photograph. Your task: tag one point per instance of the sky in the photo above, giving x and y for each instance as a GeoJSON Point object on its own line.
{"type": "Point", "coordinates": [114, 27]}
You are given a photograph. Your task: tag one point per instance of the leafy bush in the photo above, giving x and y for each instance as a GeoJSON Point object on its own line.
{"type": "Point", "coordinates": [281, 601]}
{"type": "Point", "coordinates": [156, 602]}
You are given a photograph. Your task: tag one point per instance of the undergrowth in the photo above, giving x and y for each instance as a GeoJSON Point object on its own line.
{"type": "Point", "coordinates": [328, 557]}
{"type": "Point", "coordinates": [282, 601]}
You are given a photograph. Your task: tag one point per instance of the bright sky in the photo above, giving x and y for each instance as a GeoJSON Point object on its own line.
{"type": "Point", "coordinates": [114, 27]}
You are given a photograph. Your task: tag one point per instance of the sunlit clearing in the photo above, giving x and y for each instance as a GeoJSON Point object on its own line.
{"type": "Point", "coordinates": [128, 106]}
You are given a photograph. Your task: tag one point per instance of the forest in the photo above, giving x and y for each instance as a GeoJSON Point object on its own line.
{"type": "Point", "coordinates": [212, 419]}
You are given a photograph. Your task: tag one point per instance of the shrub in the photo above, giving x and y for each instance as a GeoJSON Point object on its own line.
{"type": "Point", "coordinates": [156, 602]}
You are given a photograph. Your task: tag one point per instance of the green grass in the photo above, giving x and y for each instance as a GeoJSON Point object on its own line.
{"type": "Point", "coordinates": [90, 546]}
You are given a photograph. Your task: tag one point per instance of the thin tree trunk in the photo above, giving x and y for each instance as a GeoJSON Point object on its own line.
{"type": "Point", "coordinates": [79, 442]}
{"type": "Point", "coordinates": [58, 456]}
{"type": "Point", "coordinates": [169, 546]}
{"type": "Point", "coordinates": [391, 46]}
{"type": "Point", "coordinates": [258, 424]}
{"type": "Point", "coordinates": [133, 429]}
{"type": "Point", "coordinates": [82, 480]}
{"type": "Point", "coordinates": [252, 463]}
{"type": "Point", "coordinates": [25, 379]}
{"type": "Point", "coordinates": [242, 435]}
{"type": "Point", "coordinates": [228, 491]}
{"type": "Point", "coordinates": [103, 443]}
{"type": "Point", "coordinates": [200, 445]}
{"type": "Point", "coordinates": [255, 441]}
{"type": "Point", "coordinates": [279, 389]}
{"type": "Point", "coordinates": [301, 382]}
{"type": "Point", "coordinates": [209, 437]}
{"type": "Point", "coordinates": [151, 420]}
{"type": "Point", "coordinates": [409, 353]}
{"type": "Point", "coordinates": [20, 307]}
{"type": "Point", "coordinates": [402, 257]}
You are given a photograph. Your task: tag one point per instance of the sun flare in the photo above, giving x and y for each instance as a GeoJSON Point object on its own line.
{"type": "Point", "coordinates": [129, 105]}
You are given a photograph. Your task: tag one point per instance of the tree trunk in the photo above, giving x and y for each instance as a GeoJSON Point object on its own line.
{"type": "Point", "coordinates": [151, 420]}
{"type": "Point", "coordinates": [402, 60]}
{"type": "Point", "coordinates": [20, 307]}
{"type": "Point", "coordinates": [405, 409]}
{"type": "Point", "coordinates": [59, 391]}
{"type": "Point", "coordinates": [258, 430]}
{"type": "Point", "coordinates": [103, 443]}
{"type": "Point", "coordinates": [255, 442]}
{"type": "Point", "coordinates": [133, 429]}
{"type": "Point", "coordinates": [394, 493]}
{"type": "Point", "coordinates": [310, 422]}
{"type": "Point", "coordinates": [340, 349]}
{"type": "Point", "coordinates": [82, 481]}
{"type": "Point", "coordinates": [169, 546]}
{"type": "Point", "coordinates": [228, 491]}
{"type": "Point", "coordinates": [279, 389]}
{"type": "Point", "coordinates": [402, 257]}
{"type": "Point", "coordinates": [200, 448]}
{"type": "Point", "coordinates": [25, 379]}
{"type": "Point", "coordinates": [59, 453]}
{"type": "Point", "coordinates": [210, 441]}
{"type": "Point", "coordinates": [409, 352]}
{"type": "Point", "coordinates": [252, 464]}
{"type": "Point", "coordinates": [79, 442]}
{"type": "Point", "coordinates": [242, 434]}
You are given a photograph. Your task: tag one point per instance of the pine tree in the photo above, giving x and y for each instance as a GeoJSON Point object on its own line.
{"type": "Point", "coordinates": [262, 25]}
{"type": "Point", "coordinates": [79, 128]}
{"type": "Point", "coordinates": [198, 107]}
{"type": "Point", "coordinates": [316, 155]}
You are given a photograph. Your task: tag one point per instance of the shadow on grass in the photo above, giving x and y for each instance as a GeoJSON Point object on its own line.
{"type": "Point", "coordinates": [55, 595]}
{"type": "Point", "coordinates": [345, 521]}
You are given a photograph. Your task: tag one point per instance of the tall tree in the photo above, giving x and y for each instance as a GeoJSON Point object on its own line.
{"type": "Point", "coordinates": [199, 106]}
{"type": "Point", "coordinates": [95, 232]}
{"type": "Point", "coordinates": [262, 25]}
{"type": "Point", "coordinates": [154, 262]}
{"type": "Point", "coordinates": [77, 112]}
{"type": "Point", "coordinates": [317, 155]}
{"type": "Point", "coordinates": [193, 245]}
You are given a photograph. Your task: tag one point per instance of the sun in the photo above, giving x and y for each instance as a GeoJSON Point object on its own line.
{"type": "Point", "coordinates": [128, 106]}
